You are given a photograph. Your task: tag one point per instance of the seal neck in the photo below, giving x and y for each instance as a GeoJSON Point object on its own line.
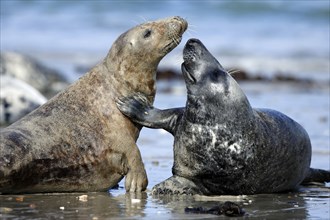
{"type": "Point", "coordinates": [199, 109]}
{"type": "Point", "coordinates": [131, 78]}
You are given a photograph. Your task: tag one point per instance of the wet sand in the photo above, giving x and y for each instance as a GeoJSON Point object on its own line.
{"type": "Point", "coordinates": [307, 105]}
{"type": "Point", "coordinates": [308, 203]}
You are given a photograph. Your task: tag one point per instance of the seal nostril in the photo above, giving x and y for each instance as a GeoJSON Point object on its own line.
{"type": "Point", "coordinates": [189, 52]}
{"type": "Point", "coordinates": [189, 55]}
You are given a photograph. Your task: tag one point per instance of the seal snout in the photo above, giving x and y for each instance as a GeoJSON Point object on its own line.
{"type": "Point", "coordinates": [177, 26]}
{"type": "Point", "coordinates": [173, 31]}
{"type": "Point", "coordinates": [192, 50]}
{"type": "Point", "coordinates": [183, 24]}
{"type": "Point", "coordinates": [194, 41]}
{"type": "Point", "coordinates": [190, 57]}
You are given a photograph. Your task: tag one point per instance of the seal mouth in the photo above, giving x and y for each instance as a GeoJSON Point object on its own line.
{"type": "Point", "coordinates": [189, 57]}
{"type": "Point", "coordinates": [187, 74]}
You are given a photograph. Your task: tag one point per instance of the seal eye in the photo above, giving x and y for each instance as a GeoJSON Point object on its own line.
{"type": "Point", "coordinates": [147, 33]}
{"type": "Point", "coordinates": [215, 76]}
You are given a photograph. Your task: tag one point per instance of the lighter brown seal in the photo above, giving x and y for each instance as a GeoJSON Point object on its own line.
{"type": "Point", "coordinates": [78, 140]}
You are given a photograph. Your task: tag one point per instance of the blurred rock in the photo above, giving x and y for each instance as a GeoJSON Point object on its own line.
{"type": "Point", "coordinates": [239, 74]}
{"type": "Point", "coordinates": [282, 77]}
{"type": "Point", "coordinates": [168, 74]}
{"type": "Point", "coordinates": [242, 75]}
{"type": "Point", "coordinates": [32, 72]}
{"type": "Point", "coordinates": [17, 99]}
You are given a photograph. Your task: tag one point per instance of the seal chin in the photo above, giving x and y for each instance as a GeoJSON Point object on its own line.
{"type": "Point", "coordinates": [187, 75]}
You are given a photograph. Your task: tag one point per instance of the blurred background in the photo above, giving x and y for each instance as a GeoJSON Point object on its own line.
{"type": "Point", "coordinates": [261, 37]}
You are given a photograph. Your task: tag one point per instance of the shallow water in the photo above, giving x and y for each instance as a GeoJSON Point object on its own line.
{"type": "Point", "coordinates": [310, 203]}
{"type": "Point", "coordinates": [308, 105]}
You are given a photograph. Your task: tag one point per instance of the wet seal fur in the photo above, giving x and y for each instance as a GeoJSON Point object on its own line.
{"type": "Point", "coordinates": [79, 140]}
{"type": "Point", "coordinates": [221, 144]}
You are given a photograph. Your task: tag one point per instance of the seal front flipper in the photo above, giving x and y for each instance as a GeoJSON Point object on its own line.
{"type": "Point", "coordinates": [135, 107]}
{"type": "Point", "coordinates": [177, 185]}
{"type": "Point", "coordinates": [317, 175]}
{"type": "Point", "coordinates": [136, 179]}
{"type": "Point", "coordinates": [140, 110]}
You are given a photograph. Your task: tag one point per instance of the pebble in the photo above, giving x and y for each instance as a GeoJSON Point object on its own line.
{"type": "Point", "coordinates": [83, 198]}
{"type": "Point", "coordinates": [135, 201]}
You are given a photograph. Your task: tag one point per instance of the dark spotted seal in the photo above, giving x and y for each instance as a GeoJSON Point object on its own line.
{"type": "Point", "coordinates": [79, 140]}
{"type": "Point", "coordinates": [221, 144]}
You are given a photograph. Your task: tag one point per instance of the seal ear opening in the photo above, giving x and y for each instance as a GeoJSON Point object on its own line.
{"type": "Point", "coordinates": [217, 75]}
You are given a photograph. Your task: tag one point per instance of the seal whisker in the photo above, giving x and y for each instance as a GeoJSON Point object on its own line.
{"type": "Point", "coordinates": [175, 39]}
{"type": "Point", "coordinates": [192, 26]}
{"type": "Point", "coordinates": [135, 22]}
{"type": "Point", "coordinates": [234, 71]}
{"type": "Point", "coordinates": [191, 30]}
{"type": "Point", "coordinates": [140, 17]}
{"type": "Point", "coordinates": [143, 18]}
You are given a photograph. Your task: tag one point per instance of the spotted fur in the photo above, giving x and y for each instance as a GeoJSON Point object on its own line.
{"type": "Point", "coordinates": [221, 144]}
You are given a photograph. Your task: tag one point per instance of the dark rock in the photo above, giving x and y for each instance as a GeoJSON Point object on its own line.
{"type": "Point", "coordinates": [239, 74]}
{"type": "Point", "coordinates": [168, 74]}
{"type": "Point", "coordinates": [281, 77]}
{"type": "Point", "coordinates": [228, 208]}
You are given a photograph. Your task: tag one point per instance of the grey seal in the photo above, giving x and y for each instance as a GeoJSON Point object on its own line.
{"type": "Point", "coordinates": [221, 144]}
{"type": "Point", "coordinates": [30, 70]}
{"type": "Point", "coordinates": [79, 140]}
{"type": "Point", "coordinates": [17, 99]}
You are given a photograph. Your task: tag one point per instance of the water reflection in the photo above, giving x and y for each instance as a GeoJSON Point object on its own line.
{"type": "Point", "coordinates": [308, 202]}
{"type": "Point", "coordinates": [135, 204]}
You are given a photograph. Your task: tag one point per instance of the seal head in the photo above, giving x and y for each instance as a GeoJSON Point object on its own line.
{"type": "Point", "coordinates": [143, 47]}
{"type": "Point", "coordinates": [208, 82]}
